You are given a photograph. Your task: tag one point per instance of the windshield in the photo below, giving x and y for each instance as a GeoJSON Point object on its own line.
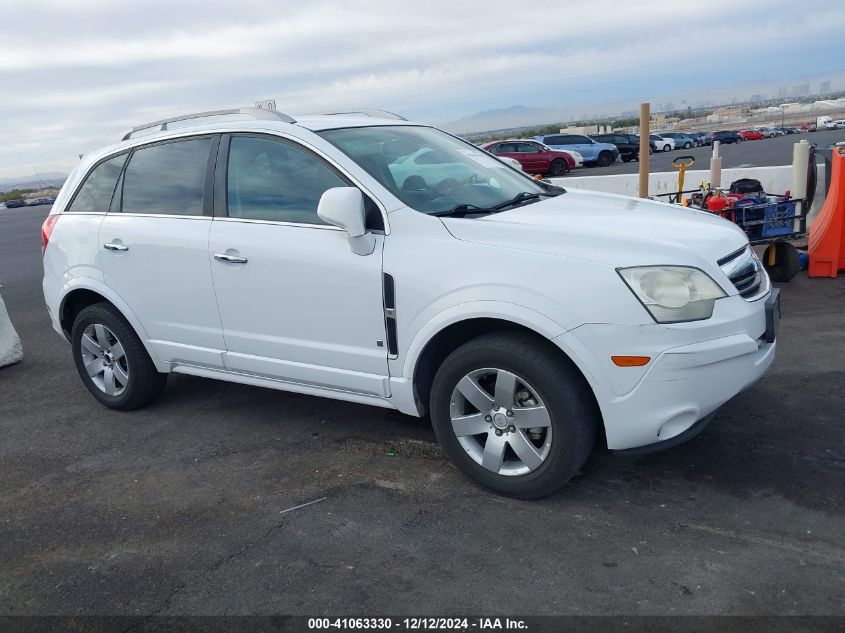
{"type": "Point", "coordinates": [431, 171]}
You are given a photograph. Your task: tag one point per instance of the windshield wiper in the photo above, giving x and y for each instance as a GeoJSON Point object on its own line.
{"type": "Point", "coordinates": [522, 196]}
{"type": "Point", "coordinates": [525, 196]}
{"type": "Point", "coordinates": [461, 210]}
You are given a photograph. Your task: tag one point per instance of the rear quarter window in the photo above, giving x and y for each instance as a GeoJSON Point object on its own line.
{"type": "Point", "coordinates": [95, 194]}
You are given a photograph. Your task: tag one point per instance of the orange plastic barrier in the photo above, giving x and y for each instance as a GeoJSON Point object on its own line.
{"type": "Point", "coordinates": [827, 233]}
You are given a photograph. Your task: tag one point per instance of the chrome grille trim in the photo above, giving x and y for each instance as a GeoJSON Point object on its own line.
{"type": "Point", "coordinates": [746, 273]}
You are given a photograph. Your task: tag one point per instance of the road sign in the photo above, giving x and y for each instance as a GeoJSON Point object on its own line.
{"type": "Point", "coordinates": [267, 104]}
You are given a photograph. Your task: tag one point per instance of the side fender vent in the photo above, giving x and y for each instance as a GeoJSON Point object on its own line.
{"type": "Point", "coordinates": [390, 314]}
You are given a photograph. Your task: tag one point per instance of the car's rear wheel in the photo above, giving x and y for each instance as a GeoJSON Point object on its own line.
{"type": "Point", "coordinates": [666, 148]}
{"type": "Point", "coordinates": [604, 159]}
{"type": "Point", "coordinates": [558, 167]}
{"type": "Point", "coordinates": [687, 145]}
{"type": "Point", "coordinates": [512, 415]}
{"type": "Point", "coordinates": [112, 361]}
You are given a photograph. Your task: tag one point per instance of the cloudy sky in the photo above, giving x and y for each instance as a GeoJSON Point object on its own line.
{"type": "Point", "coordinates": [74, 74]}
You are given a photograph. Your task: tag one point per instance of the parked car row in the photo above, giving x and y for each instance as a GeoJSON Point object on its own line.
{"type": "Point", "coordinates": [558, 154]}
{"type": "Point", "coordinates": [21, 202]}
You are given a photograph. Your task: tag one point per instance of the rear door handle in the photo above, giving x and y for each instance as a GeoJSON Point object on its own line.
{"type": "Point", "coordinates": [230, 259]}
{"type": "Point", "coordinates": [111, 246]}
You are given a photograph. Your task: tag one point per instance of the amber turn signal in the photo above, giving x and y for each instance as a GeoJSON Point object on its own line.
{"type": "Point", "coordinates": [630, 361]}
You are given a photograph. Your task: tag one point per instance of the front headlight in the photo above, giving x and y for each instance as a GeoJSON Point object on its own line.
{"type": "Point", "coordinates": [672, 294]}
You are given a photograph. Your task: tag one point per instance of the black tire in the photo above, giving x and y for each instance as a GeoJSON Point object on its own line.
{"type": "Point", "coordinates": [568, 400]}
{"type": "Point", "coordinates": [666, 148]}
{"type": "Point", "coordinates": [786, 264]}
{"type": "Point", "coordinates": [627, 158]}
{"type": "Point", "coordinates": [558, 167]}
{"type": "Point", "coordinates": [636, 156]}
{"type": "Point", "coordinates": [605, 159]}
{"type": "Point", "coordinates": [145, 383]}
{"type": "Point", "coordinates": [687, 145]}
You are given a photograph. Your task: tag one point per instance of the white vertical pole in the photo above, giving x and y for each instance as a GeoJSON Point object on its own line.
{"type": "Point", "coordinates": [800, 162]}
{"type": "Point", "coordinates": [715, 167]}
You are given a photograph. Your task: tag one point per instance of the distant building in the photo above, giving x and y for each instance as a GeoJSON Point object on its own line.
{"type": "Point", "coordinates": [726, 115]}
{"type": "Point", "coordinates": [586, 129]}
{"type": "Point", "coordinates": [824, 87]}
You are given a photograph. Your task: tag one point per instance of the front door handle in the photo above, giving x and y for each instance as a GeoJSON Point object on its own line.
{"type": "Point", "coordinates": [111, 246]}
{"type": "Point", "coordinates": [230, 259]}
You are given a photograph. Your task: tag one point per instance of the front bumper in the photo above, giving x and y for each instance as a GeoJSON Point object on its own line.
{"type": "Point", "coordinates": [694, 369]}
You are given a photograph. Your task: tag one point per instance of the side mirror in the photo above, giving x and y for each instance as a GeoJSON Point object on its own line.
{"type": "Point", "coordinates": [344, 207]}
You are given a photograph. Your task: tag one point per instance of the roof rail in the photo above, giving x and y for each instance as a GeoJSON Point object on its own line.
{"type": "Point", "coordinates": [370, 112]}
{"type": "Point", "coordinates": [253, 113]}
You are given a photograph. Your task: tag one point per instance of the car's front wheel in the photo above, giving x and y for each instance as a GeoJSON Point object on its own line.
{"type": "Point", "coordinates": [558, 167]}
{"type": "Point", "coordinates": [112, 361]}
{"type": "Point", "coordinates": [666, 148]}
{"type": "Point", "coordinates": [687, 145]}
{"type": "Point", "coordinates": [605, 159]}
{"type": "Point", "coordinates": [513, 415]}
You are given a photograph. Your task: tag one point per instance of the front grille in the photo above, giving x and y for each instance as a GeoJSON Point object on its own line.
{"type": "Point", "coordinates": [746, 273]}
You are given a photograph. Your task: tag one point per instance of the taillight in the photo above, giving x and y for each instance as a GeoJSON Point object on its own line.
{"type": "Point", "coordinates": [47, 230]}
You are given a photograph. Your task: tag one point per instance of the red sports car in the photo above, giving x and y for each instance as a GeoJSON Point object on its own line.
{"type": "Point", "coordinates": [751, 135]}
{"type": "Point", "coordinates": [534, 157]}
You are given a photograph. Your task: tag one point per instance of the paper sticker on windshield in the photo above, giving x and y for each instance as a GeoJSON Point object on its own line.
{"type": "Point", "coordinates": [482, 159]}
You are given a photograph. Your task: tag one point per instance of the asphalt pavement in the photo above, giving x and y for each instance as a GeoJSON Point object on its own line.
{"type": "Point", "coordinates": [763, 153]}
{"type": "Point", "coordinates": [194, 504]}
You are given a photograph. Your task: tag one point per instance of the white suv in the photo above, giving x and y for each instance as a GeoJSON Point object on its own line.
{"type": "Point", "coordinates": [309, 255]}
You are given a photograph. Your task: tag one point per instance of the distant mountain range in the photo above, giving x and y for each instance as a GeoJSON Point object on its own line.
{"type": "Point", "coordinates": [503, 118]}
{"type": "Point", "coordinates": [25, 182]}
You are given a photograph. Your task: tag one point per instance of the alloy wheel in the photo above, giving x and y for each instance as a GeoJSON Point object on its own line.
{"type": "Point", "coordinates": [501, 422]}
{"type": "Point", "coordinates": [104, 359]}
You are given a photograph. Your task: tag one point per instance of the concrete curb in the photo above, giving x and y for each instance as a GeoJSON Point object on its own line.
{"type": "Point", "coordinates": [11, 351]}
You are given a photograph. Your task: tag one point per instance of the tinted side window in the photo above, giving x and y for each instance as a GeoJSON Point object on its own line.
{"type": "Point", "coordinates": [527, 148]}
{"type": "Point", "coordinates": [555, 140]}
{"type": "Point", "coordinates": [273, 180]}
{"type": "Point", "coordinates": [96, 193]}
{"type": "Point", "coordinates": [167, 178]}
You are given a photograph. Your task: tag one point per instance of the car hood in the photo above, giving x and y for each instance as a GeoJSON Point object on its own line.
{"type": "Point", "coordinates": [607, 228]}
